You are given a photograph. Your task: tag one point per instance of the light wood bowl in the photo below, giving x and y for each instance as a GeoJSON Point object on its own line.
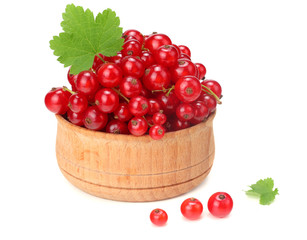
{"type": "Point", "coordinates": [135, 169]}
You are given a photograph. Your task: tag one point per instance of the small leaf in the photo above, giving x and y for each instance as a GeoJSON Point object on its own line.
{"type": "Point", "coordinates": [264, 190]}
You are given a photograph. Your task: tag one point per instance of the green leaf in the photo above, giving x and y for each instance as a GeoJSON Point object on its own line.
{"type": "Point", "coordinates": [264, 190]}
{"type": "Point", "coordinates": [110, 37]}
{"type": "Point", "coordinates": [268, 198]}
{"type": "Point", "coordinates": [72, 52]}
{"type": "Point", "coordinates": [252, 193]}
{"type": "Point", "coordinates": [263, 186]}
{"type": "Point", "coordinates": [84, 37]}
{"type": "Point", "coordinates": [78, 21]}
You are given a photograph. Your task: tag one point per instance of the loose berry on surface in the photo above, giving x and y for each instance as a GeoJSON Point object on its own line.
{"type": "Point", "coordinates": [191, 208]}
{"type": "Point", "coordinates": [158, 217]}
{"type": "Point", "coordinates": [220, 204]}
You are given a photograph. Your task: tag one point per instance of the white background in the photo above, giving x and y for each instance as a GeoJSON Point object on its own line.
{"type": "Point", "coordinates": [257, 50]}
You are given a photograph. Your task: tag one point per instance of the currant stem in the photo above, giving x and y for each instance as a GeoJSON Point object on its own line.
{"type": "Point", "coordinates": [164, 90]}
{"type": "Point", "coordinates": [119, 93]}
{"type": "Point", "coordinates": [150, 125]}
{"type": "Point", "coordinates": [169, 91]}
{"type": "Point", "coordinates": [98, 55]}
{"type": "Point", "coordinates": [206, 89]}
{"type": "Point", "coordinates": [67, 89]}
{"type": "Point", "coordinates": [160, 90]}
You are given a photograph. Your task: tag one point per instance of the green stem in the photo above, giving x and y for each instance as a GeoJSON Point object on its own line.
{"type": "Point", "coordinates": [98, 55]}
{"type": "Point", "coordinates": [67, 89]}
{"type": "Point", "coordinates": [164, 90]}
{"type": "Point", "coordinates": [208, 90]}
{"type": "Point", "coordinates": [150, 125]}
{"type": "Point", "coordinates": [169, 91]}
{"type": "Point", "coordinates": [92, 69]}
{"type": "Point", "coordinates": [160, 90]}
{"type": "Point", "coordinates": [119, 93]}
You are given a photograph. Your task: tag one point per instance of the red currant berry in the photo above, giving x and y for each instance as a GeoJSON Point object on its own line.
{"type": "Point", "coordinates": [91, 98]}
{"type": "Point", "coordinates": [147, 58]}
{"type": "Point", "coordinates": [154, 41]}
{"type": "Point", "coordinates": [166, 55]}
{"type": "Point", "coordinates": [134, 33]}
{"type": "Point", "coordinates": [209, 101]}
{"type": "Point", "coordinates": [71, 79]}
{"type": "Point", "coordinates": [137, 126]}
{"type": "Point", "coordinates": [149, 120]}
{"type": "Point", "coordinates": [94, 119]}
{"type": "Point", "coordinates": [128, 38]}
{"type": "Point", "coordinates": [146, 37]}
{"type": "Point", "coordinates": [87, 83]}
{"type": "Point", "coordinates": [179, 125]}
{"type": "Point", "coordinates": [220, 204]}
{"type": "Point", "coordinates": [109, 75]}
{"type": "Point", "coordinates": [77, 102]}
{"type": "Point", "coordinates": [196, 73]}
{"type": "Point", "coordinates": [117, 59]}
{"type": "Point", "coordinates": [214, 86]}
{"type": "Point", "coordinates": [66, 93]}
{"type": "Point", "coordinates": [191, 208]}
{"type": "Point", "coordinates": [122, 112]}
{"type": "Point", "coordinates": [107, 100]}
{"type": "Point", "coordinates": [177, 48]}
{"type": "Point", "coordinates": [130, 87]}
{"type": "Point", "coordinates": [188, 88]}
{"type": "Point", "coordinates": [156, 77]}
{"type": "Point", "coordinates": [201, 70]}
{"type": "Point", "coordinates": [146, 93]}
{"type": "Point", "coordinates": [185, 50]}
{"type": "Point", "coordinates": [138, 106]}
{"type": "Point", "coordinates": [185, 57]}
{"type": "Point", "coordinates": [118, 127]}
{"type": "Point", "coordinates": [98, 62]}
{"type": "Point", "coordinates": [168, 125]}
{"type": "Point", "coordinates": [75, 118]}
{"type": "Point", "coordinates": [158, 217]}
{"type": "Point", "coordinates": [156, 132]}
{"type": "Point", "coordinates": [154, 106]}
{"type": "Point", "coordinates": [200, 112]}
{"type": "Point", "coordinates": [56, 100]}
{"type": "Point", "coordinates": [182, 68]}
{"type": "Point", "coordinates": [132, 66]}
{"type": "Point", "coordinates": [185, 111]}
{"type": "Point", "coordinates": [168, 102]}
{"type": "Point", "coordinates": [159, 118]}
{"type": "Point", "coordinates": [131, 48]}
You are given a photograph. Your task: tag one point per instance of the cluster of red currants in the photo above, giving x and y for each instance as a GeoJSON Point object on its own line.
{"type": "Point", "coordinates": [151, 85]}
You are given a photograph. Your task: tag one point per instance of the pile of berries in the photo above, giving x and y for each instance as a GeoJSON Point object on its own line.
{"type": "Point", "coordinates": [150, 86]}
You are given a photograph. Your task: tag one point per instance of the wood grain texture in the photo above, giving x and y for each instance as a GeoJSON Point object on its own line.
{"type": "Point", "coordinates": [135, 169]}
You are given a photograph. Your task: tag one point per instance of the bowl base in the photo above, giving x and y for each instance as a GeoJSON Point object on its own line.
{"type": "Point", "coordinates": [135, 194]}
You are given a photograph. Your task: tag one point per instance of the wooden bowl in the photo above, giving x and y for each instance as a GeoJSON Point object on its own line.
{"type": "Point", "coordinates": [135, 169]}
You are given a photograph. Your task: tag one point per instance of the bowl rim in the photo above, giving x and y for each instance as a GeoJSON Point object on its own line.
{"type": "Point", "coordinates": [129, 137]}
